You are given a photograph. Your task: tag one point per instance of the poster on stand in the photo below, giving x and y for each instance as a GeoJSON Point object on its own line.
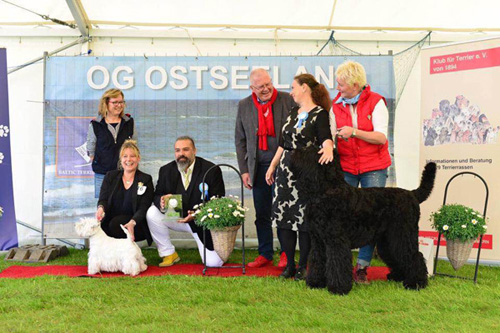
{"type": "Point", "coordinates": [459, 128]}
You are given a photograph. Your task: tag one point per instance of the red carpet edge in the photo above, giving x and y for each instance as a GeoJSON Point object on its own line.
{"type": "Point", "coordinates": [20, 272]}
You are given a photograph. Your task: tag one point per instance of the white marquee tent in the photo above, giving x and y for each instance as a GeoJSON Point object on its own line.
{"type": "Point", "coordinates": [215, 27]}
{"type": "Point", "coordinates": [156, 18]}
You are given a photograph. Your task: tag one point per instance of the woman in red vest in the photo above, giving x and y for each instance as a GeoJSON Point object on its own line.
{"type": "Point", "coordinates": [360, 117]}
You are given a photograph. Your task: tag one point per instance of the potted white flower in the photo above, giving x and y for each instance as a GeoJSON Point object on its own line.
{"type": "Point", "coordinates": [461, 226]}
{"type": "Point", "coordinates": [223, 217]}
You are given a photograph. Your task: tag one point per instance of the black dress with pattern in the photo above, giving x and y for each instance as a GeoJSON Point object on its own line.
{"type": "Point", "coordinates": [288, 207]}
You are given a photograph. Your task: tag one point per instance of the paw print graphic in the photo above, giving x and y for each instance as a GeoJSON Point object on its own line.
{"type": "Point", "coordinates": [1, 157]}
{"type": "Point", "coordinates": [4, 131]}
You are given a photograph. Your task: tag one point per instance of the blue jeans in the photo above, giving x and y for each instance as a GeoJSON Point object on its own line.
{"type": "Point", "coordinates": [98, 178]}
{"type": "Point", "coordinates": [376, 178]}
{"type": "Point", "coordinates": [263, 202]}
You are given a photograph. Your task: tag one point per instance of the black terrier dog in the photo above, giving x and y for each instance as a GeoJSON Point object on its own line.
{"type": "Point", "coordinates": [341, 217]}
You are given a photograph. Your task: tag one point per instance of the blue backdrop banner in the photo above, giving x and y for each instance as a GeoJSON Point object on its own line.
{"type": "Point", "coordinates": [168, 97]}
{"type": "Point", "coordinates": [8, 228]}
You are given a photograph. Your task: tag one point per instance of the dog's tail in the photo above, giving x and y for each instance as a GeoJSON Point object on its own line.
{"type": "Point", "coordinates": [125, 230]}
{"type": "Point", "coordinates": [426, 183]}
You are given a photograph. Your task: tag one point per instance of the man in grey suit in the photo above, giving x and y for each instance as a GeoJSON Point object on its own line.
{"type": "Point", "coordinates": [258, 131]}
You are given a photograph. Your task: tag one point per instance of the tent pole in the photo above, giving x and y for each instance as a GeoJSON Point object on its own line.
{"type": "Point", "coordinates": [45, 56]}
{"type": "Point", "coordinates": [80, 16]}
{"type": "Point", "coordinates": [62, 48]}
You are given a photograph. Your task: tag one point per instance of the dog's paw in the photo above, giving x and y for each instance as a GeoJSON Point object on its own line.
{"type": "Point", "coordinates": [394, 276]}
{"type": "Point", "coordinates": [133, 272]}
{"type": "Point", "coordinates": [415, 285]}
{"type": "Point", "coordinates": [315, 284]}
{"type": "Point", "coordinates": [340, 290]}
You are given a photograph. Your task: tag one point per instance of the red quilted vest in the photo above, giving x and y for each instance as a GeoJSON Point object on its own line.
{"type": "Point", "coordinates": [358, 156]}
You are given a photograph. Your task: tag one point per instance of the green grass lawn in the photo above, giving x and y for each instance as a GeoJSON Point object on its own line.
{"type": "Point", "coordinates": [185, 303]}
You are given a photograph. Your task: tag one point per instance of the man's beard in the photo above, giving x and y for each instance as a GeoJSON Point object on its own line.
{"type": "Point", "coordinates": [184, 163]}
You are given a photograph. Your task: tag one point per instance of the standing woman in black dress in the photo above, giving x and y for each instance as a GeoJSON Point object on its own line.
{"type": "Point", "coordinates": [125, 197]}
{"type": "Point", "coordinates": [107, 133]}
{"type": "Point", "coordinates": [307, 124]}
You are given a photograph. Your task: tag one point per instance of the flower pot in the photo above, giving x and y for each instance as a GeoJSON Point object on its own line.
{"type": "Point", "coordinates": [224, 240]}
{"type": "Point", "coordinates": [458, 252]}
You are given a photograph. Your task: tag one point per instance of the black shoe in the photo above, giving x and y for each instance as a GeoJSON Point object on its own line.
{"type": "Point", "coordinates": [301, 274]}
{"type": "Point", "coordinates": [361, 276]}
{"type": "Point", "coordinates": [288, 273]}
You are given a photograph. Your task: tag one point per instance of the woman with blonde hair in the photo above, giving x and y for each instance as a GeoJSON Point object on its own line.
{"type": "Point", "coordinates": [107, 133]}
{"type": "Point", "coordinates": [360, 117]}
{"type": "Point", "coordinates": [125, 196]}
{"type": "Point", "coordinates": [306, 125]}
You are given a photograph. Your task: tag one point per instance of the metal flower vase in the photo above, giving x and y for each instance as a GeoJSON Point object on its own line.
{"type": "Point", "coordinates": [458, 252]}
{"type": "Point", "coordinates": [224, 240]}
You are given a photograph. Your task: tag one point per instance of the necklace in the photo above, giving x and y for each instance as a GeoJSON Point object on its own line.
{"type": "Point", "coordinates": [128, 182]}
{"type": "Point", "coordinates": [130, 178]}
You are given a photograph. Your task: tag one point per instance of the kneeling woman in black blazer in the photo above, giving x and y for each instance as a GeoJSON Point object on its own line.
{"type": "Point", "coordinates": [125, 197]}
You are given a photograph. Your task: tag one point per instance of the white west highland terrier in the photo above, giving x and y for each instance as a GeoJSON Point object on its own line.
{"type": "Point", "coordinates": [110, 254]}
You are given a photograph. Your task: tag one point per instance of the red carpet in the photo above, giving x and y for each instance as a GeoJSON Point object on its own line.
{"type": "Point", "coordinates": [17, 272]}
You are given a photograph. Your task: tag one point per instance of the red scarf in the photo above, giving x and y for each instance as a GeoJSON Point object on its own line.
{"type": "Point", "coordinates": [266, 120]}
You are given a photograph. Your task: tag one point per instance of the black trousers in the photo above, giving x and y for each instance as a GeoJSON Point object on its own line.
{"type": "Point", "coordinates": [112, 228]}
{"type": "Point", "coordinates": [263, 202]}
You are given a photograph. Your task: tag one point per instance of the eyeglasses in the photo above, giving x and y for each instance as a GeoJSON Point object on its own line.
{"type": "Point", "coordinates": [115, 103]}
{"type": "Point", "coordinates": [268, 85]}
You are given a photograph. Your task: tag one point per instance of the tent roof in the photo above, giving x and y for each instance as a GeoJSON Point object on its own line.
{"type": "Point", "coordinates": [129, 16]}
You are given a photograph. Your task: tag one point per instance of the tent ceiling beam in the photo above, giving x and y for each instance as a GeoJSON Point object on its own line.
{"type": "Point", "coordinates": [262, 35]}
{"type": "Point", "coordinates": [227, 27]}
{"type": "Point", "coordinates": [269, 35]}
{"type": "Point", "coordinates": [333, 12]}
{"type": "Point", "coordinates": [296, 27]}
{"type": "Point", "coordinates": [243, 35]}
{"type": "Point", "coordinates": [80, 16]}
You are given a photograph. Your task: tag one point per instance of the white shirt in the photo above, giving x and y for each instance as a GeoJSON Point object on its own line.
{"type": "Point", "coordinates": [380, 118]}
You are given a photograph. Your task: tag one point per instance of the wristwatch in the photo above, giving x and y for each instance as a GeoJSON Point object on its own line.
{"type": "Point", "coordinates": [353, 135]}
